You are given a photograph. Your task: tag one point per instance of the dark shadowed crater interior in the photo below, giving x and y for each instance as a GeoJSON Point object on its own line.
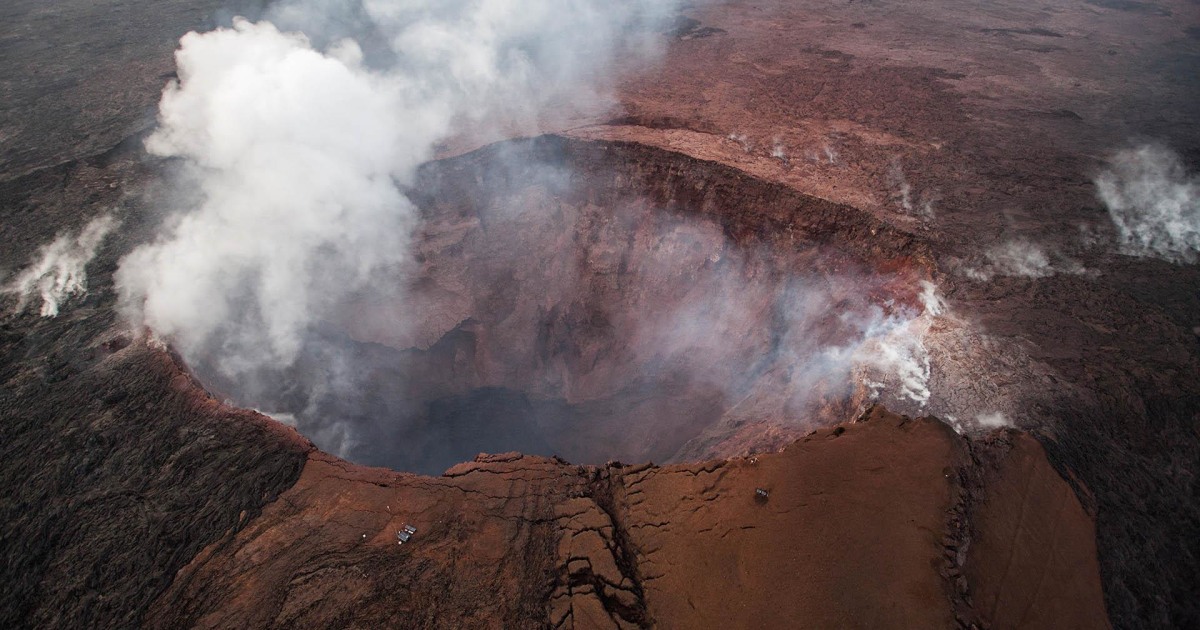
{"type": "Point", "coordinates": [594, 301]}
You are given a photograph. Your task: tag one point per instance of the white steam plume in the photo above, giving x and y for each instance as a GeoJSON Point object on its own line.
{"type": "Point", "coordinates": [1021, 258]}
{"type": "Point", "coordinates": [982, 423]}
{"type": "Point", "coordinates": [779, 152]}
{"type": "Point", "coordinates": [992, 420]}
{"type": "Point", "coordinates": [892, 349]}
{"type": "Point", "coordinates": [922, 207]}
{"type": "Point", "coordinates": [832, 336]}
{"type": "Point", "coordinates": [60, 270]}
{"type": "Point", "coordinates": [298, 153]}
{"type": "Point", "coordinates": [1154, 202]}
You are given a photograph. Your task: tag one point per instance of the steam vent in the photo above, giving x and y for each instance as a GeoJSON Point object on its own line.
{"type": "Point", "coordinates": [600, 314]}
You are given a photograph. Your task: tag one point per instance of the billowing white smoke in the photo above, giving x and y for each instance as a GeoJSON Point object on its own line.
{"type": "Point", "coordinates": [294, 152]}
{"type": "Point", "coordinates": [298, 153]}
{"type": "Point", "coordinates": [1154, 203]}
{"type": "Point", "coordinates": [60, 271]}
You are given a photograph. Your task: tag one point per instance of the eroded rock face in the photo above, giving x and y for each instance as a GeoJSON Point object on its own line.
{"type": "Point", "coordinates": [886, 522]}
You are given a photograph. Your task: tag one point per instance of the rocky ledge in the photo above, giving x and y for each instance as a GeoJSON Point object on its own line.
{"type": "Point", "coordinates": [886, 521]}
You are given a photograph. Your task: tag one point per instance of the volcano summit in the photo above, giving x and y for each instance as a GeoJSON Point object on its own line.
{"type": "Point", "coordinates": [519, 313]}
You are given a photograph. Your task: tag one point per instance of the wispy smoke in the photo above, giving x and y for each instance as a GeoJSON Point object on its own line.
{"type": "Point", "coordinates": [60, 270]}
{"type": "Point", "coordinates": [778, 151]}
{"type": "Point", "coordinates": [909, 203]}
{"type": "Point", "coordinates": [298, 151]}
{"type": "Point", "coordinates": [902, 349]}
{"type": "Point", "coordinates": [831, 154]}
{"type": "Point", "coordinates": [823, 335]}
{"type": "Point", "coordinates": [1154, 202]}
{"type": "Point", "coordinates": [892, 352]}
{"type": "Point", "coordinates": [596, 323]}
{"type": "Point", "coordinates": [993, 420]}
{"type": "Point", "coordinates": [1021, 258]}
{"type": "Point", "coordinates": [743, 141]}
{"type": "Point", "coordinates": [981, 423]}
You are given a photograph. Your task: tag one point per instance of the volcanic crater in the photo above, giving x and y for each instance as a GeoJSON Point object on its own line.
{"type": "Point", "coordinates": [597, 301]}
{"type": "Point", "coordinates": [600, 294]}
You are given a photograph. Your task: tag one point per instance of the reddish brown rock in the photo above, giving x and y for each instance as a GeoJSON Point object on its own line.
{"type": "Point", "coordinates": [1031, 559]}
{"type": "Point", "coordinates": [862, 525]}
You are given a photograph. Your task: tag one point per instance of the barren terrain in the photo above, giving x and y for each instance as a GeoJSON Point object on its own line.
{"type": "Point", "coordinates": [891, 143]}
